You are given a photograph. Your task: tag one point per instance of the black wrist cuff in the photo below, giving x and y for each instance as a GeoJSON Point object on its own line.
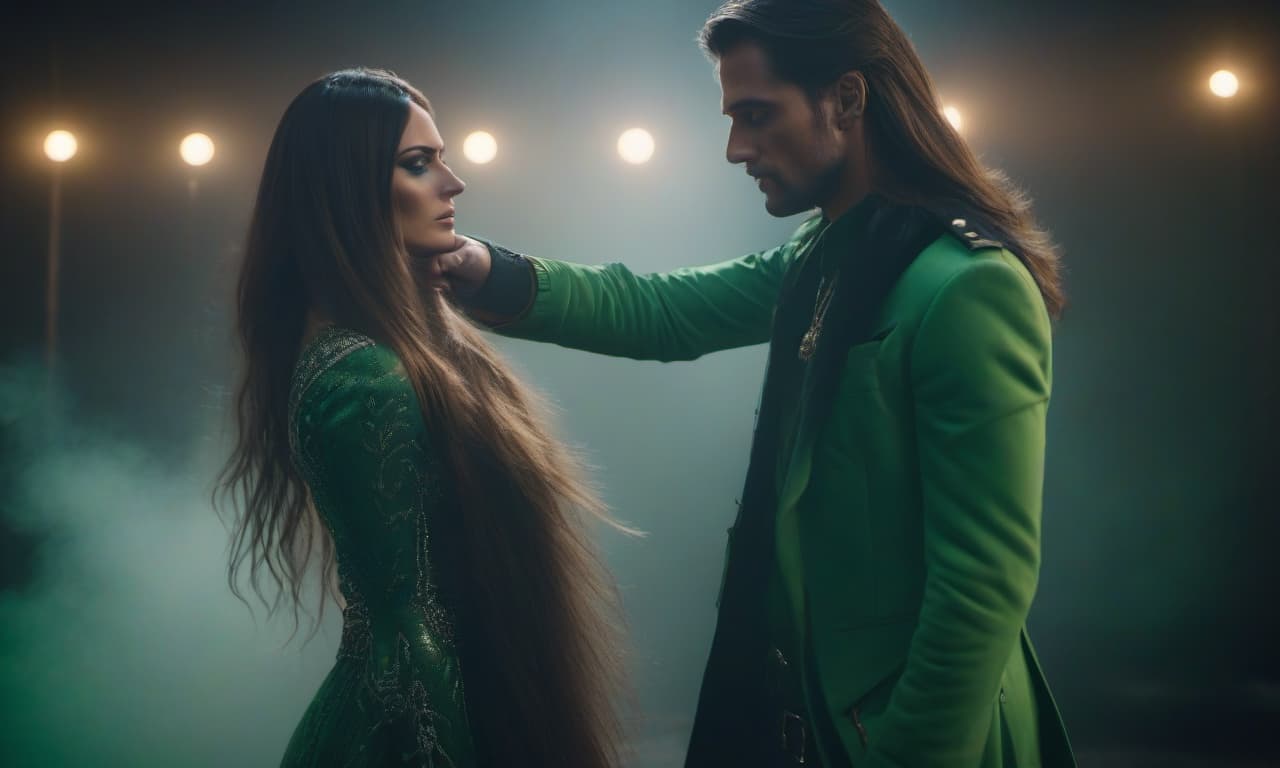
{"type": "Point", "coordinates": [509, 291]}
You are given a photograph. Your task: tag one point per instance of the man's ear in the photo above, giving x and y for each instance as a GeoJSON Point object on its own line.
{"type": "Point", "coordinates": [850, 98]}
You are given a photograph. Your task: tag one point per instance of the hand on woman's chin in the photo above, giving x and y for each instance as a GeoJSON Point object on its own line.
{"type": "Point", "coordinates": [434, 246]}
{"type": "Point", "coordinates": [427, 272]}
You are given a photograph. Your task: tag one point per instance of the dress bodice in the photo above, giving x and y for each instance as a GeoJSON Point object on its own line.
{"type": "Point", "coordinates": [360, 442]}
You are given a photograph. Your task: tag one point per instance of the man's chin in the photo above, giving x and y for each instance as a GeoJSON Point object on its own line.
{"type": "Point", "coordinates": [781, 208]}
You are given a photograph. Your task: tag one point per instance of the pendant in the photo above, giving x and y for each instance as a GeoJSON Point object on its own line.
{"type": "Point", "coordinates": [808, 343]}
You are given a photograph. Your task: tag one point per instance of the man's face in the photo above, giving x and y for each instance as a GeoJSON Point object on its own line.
{"type": "Point", "coordinates": [787, 141]}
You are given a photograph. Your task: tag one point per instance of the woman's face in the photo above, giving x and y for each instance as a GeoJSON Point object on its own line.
{"type": "Point", "coordinates": [423, 187]}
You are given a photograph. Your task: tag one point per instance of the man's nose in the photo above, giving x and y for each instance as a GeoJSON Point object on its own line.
{"type": "Point", "coordinates": [738, 149]}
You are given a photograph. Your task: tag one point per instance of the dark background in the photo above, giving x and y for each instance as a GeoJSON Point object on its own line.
{"type": "Point", "coordinates": [1156, 618]}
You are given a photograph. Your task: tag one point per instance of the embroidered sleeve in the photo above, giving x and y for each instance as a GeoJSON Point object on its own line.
{"type": "Point", "coordinates": [362, 446]}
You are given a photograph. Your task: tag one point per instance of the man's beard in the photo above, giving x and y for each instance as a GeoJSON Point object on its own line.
{"type": "Point", "coordinates": [813, 192]}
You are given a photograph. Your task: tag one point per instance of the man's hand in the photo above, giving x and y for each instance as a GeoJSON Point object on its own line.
{"type": "Point", "coordinates": [461, 271]}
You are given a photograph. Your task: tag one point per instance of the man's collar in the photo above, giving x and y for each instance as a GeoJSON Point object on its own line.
{"type": "Point", "coordinates": [839, 236]}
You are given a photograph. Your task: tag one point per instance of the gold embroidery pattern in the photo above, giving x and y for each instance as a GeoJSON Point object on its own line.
{"type": "Point", "coordinates": [402, 487]}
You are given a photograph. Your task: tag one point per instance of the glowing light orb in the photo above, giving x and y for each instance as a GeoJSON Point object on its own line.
{"type": "Point", "coordinates": [954, 117]}
{"type": "Point", "coordinates": [635, 146]}
{"type": "Point", "coordinates": [60, 146]}
{"type": "Point", "coordinates": [196, 149]}
{"type": "Point", "coordinates": [480, 147]}
{"type": "Point", "coordinates": [1224, 84]}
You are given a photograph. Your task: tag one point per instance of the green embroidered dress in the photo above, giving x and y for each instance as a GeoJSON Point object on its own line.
{"type": "Point", "coordinates": [395, 694]}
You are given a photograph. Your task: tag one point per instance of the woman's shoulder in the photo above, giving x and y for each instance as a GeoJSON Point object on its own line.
{"type": "Point", "coordinates": [344, 363]}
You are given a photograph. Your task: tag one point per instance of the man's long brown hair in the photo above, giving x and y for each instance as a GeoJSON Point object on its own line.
{"type": "Point", "coordinates": [921, 159]}
{"type": "Point", "coordinates": [537, 611]}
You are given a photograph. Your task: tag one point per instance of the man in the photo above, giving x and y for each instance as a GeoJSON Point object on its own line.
{"type": "Point", "coordinates": [886, 553]}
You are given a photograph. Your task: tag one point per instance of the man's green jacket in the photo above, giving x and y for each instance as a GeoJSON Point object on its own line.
{"type": "Point", "coordinates": [906, 515]}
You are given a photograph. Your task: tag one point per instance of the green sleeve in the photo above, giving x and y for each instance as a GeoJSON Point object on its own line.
{"type": "Point", "coordinates": [980, 372]}
{"type": "Point", "coordinates": [679, 315]}
{"type": "Point", "coordinates": [378, 481]}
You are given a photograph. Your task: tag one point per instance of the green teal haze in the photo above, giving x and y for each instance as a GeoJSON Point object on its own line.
{"type": "Point", "coordinates": [1155, 617]}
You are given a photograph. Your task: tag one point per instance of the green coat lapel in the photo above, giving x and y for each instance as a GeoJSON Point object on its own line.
{"type": "Point", "coordinates": [872, 245]}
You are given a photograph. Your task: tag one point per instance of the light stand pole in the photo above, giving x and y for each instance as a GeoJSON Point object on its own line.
{"type": "Point", "coordinates": [51, 284]}
{"type": "Point", "coordinates": [196, 150]}
{"type": "Point", "coordinates": [59, 146]}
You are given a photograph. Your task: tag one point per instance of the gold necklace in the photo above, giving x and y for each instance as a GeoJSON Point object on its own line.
{"type": "Point", "coordinates": [826, 289]}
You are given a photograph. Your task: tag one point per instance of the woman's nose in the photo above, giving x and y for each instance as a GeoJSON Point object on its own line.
{"type": "Point", "coordinates": [455, 185]}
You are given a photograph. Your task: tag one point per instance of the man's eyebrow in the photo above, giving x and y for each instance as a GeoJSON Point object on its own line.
{"type": "Point", "coordinates": [423, 148]}
{"type": "Point", "coordinates": [745, 104]}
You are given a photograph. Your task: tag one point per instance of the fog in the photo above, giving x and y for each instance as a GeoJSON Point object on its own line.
{"type": "Point", "coordinates": [120, 641]}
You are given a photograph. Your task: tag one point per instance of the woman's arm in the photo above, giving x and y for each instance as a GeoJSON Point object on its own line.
{"type": "Point", "coordinates": [376, 479]}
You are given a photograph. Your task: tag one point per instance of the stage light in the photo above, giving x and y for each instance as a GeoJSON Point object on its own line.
{"type": "Point", "coordinates": [954, 117]}
{"type": "Point", "coordinates": [60, 146]}
{"type": "Point", "coordinates": [480, 147]}
{"type": "Point", "coordinates": [635, 146]}
{"type": "Point", "coordinates": [1224, 84]}
{"type": "Point", "coordinates": [196, 149]}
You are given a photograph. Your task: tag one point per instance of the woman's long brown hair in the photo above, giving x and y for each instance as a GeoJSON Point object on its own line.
{"type": "Point", "coordinates": [921, 159]}
{"type": "Point", "coordinates": [538, 615]}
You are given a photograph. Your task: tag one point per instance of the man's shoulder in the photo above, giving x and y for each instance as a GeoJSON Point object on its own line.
{"type": "Point", "coordinates": [963, 246]}
{"type": "Point", "coordinates": [946, 232]}
{"type": "Point", "coordinates": [957, 244]}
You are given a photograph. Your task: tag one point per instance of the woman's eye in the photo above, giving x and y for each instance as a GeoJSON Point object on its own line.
{"type": "Point", "coordinates": [416, 167]}
{"type": "Point", "coordinates": [756, 116]}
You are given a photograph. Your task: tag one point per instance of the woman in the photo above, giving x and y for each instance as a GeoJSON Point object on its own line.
{"type": "Point", "coordinates": [377, 427]}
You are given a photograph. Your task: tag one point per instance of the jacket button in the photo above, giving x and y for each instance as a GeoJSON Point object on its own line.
{"type": "Point", "coordinates": [1002, 697]}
